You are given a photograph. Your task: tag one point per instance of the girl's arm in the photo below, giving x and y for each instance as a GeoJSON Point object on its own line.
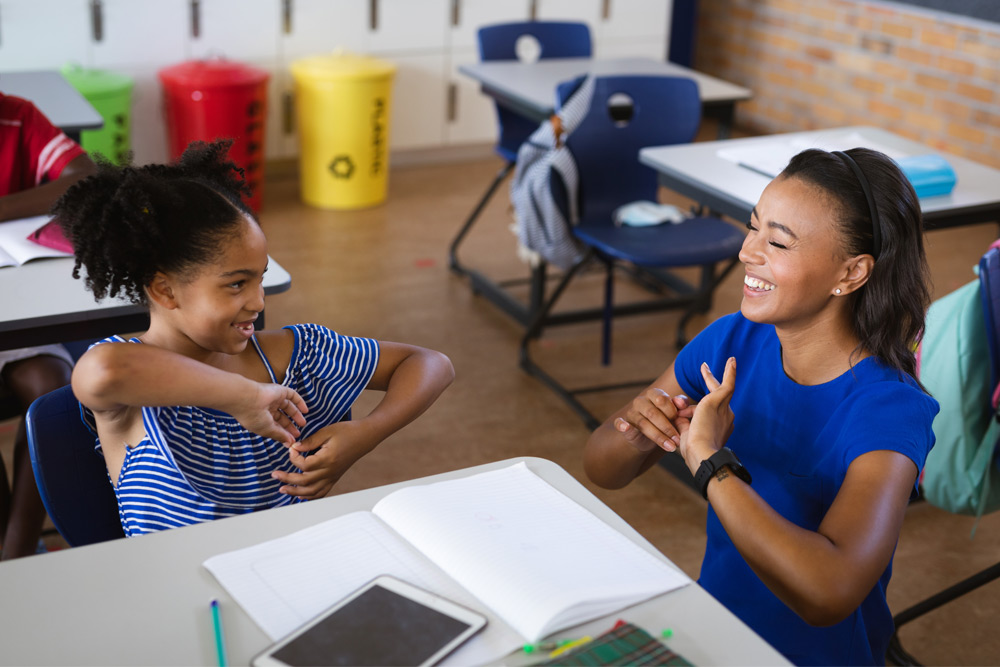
{"type": "Point", "coordinates": [634, 438]}
{"type": "Point", "coordinates": [824, 575]}
{"type": "Point", "coordinates": [38, 200]}
{"type": "Point", "coordinates": [112, 377]}
{"type": "Point", "coordinates": [412, 378]}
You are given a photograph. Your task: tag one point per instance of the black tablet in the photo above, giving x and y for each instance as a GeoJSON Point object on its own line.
{"type": "Point", "coordinates": [385, 622]}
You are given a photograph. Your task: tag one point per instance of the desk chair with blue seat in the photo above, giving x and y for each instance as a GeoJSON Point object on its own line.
{"type": "Point", "coordinates": [628, 113]}
{"type": "Point", "coordinates": [556, 39]}
{"type": "Point", "coordinates": [72, 478]}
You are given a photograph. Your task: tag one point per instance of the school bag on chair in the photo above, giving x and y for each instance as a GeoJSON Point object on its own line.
{"type": "Point", "coordinates": [544, 188]}
{"type": "Point", "coordinates": [959, 366]}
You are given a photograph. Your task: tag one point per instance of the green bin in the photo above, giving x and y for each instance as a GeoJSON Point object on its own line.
{"type": "Point", "coordinates": [111, 94]}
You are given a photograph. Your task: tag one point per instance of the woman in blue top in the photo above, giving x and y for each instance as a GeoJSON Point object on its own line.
{"type": "Point", "coordinates": [201, 416]}
{"type": "Point", "coordinates": [809, 455]}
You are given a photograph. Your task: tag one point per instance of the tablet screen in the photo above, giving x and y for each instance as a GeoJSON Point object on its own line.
{"type": "Point", "coordinates": [378, 627]}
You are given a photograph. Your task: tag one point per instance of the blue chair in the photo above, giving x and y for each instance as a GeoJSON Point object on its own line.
{"type": "Point", "coordinates": [628, 113]}
{"type": "Point", "coordinates": [72, 478]}
{"type": "Point", "coordinates": [556, 39]}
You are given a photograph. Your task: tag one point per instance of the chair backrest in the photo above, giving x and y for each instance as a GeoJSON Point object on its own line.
{"type": "Point", "coordinates": [628, 113]}
{"type": "Point", "coordinates": [72, 478]}
{"type": "Point", "coordinates": [556, 39]}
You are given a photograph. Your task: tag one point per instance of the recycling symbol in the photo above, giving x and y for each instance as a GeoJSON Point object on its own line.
{"type": "Point", "coordinates": [342, 167]}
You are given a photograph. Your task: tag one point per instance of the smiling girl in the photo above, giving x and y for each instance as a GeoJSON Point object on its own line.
{"type": "Point", "coordinates": [809, 455]}
{"type": "Point", "coordinates": [202, 417]}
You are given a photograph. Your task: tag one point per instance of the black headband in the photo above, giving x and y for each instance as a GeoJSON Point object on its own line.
{"type": "Point", "coordinates": [873, 212]}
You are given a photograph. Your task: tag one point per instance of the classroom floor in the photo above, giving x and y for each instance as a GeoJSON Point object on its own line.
{"type": "Point", "coordinates": [383, 272]}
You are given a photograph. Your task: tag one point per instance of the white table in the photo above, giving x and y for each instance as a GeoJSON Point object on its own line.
{"type": "Point", "coordinates": [144, 601]}
{"type": "Point", "coordinates": [41, 302]}
{"type": "Point", "coordinates": [55, 97]}
{"type": "Point", "coordinates": [699, 172]}
{"type": "Point", "coordinates": [529, 88]}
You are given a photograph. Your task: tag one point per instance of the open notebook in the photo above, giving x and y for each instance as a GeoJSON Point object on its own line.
{"type": "Point", "coordinates": [16, 248]}
{"type": "Point", "coordinates": [503, 542]}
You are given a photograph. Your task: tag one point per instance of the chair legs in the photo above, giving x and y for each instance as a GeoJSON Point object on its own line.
{"type": "Point", "coordinates": [453, 262]}
{"type": "Point", "coordinates": [694, 300]}
{"type": "Point", "coordinates": [895, 654]}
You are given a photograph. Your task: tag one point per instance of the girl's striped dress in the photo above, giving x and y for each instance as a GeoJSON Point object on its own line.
{"type": "Point", "coordinates": [197, 464]}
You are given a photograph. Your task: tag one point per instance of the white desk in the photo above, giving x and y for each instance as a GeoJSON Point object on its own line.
{"type": "Point", "coordinates": [529, 88]}
{"type": "Point", "coordinates": [42, 303]}
{"type": "Point", "coordinates": [55, 97]}
{"type": "Point", "coordinates": [144, 601]}
{"type": "Point", "coordinates": [697, 171]}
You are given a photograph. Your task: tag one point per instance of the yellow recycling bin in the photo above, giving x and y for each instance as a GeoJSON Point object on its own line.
{"type": "Point", "coordinates": [342, 102]}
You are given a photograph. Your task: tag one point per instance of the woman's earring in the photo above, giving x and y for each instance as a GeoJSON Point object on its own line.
{"type": "Point", "coordinates": [837, 291]}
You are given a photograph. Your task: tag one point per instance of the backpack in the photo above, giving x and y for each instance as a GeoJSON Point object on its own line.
{"type": "Point", "coordinates": [544, 191]}
{"type": "Point", "coordinates": [958, 363]}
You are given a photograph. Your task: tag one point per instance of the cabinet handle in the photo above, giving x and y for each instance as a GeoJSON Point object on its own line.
{"type": "Point", "coordinates": [533, 11]}
{"type": "Point", "coordinates": [455, 16]}
{"type": "Point", "coordinates": [196, 18]}
{"type": "Point", "coordinates": [288, 115]}
{"type": "Point", "coordinates": [286, 15]}
{"type": "Point", "coordinates": [373, 15]}
{"type": "Point", "coordinates": [606, 10]}
{"type": "Point", "coordinates": [452, 102]}
{"type": "Point", "coordinates": [96, 20]}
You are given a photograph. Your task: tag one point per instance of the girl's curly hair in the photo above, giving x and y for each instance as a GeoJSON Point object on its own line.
{"type": "Point", "coordinates": [128, 223]}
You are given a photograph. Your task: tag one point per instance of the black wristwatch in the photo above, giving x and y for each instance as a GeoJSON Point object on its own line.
{"type": "Point", "coordinates": [721, 459]}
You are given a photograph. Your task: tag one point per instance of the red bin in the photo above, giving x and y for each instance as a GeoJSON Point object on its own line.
{"type": "Point", "coordinates": [219, 99]}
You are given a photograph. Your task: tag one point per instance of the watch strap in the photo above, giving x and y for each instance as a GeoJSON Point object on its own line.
{"type": "Point", "coordinates": [720, 459]}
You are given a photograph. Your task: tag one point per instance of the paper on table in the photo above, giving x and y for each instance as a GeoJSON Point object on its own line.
{"type": "Point", "coordinates": [16, 249]}
{"type": "Point", "coordinates": [527, 550]}
{"type": "Point", "coordinates": [520, 548]}
{"type": "Point", "coordinates": [770, 157]}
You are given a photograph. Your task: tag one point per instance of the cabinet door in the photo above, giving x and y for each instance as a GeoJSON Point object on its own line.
{"type": "Point", "coordinates": [25, 25]}
{"type": "Point", "coordinates": [408, 25]}
{"type": "Point", "coordinates": [588, 11]}
{"type": "Point", "coordinates": [244, 30]}
{"type": "Point", "coordinates": [320, 26]}
{"type": "Point", "coordinates": [148, 121]}
{"type": "Point", "coordinates": [142, 34]}
{"type": "Point", "coordinates": [418, 101]}
{"type": "Point", "coordinates": [624, 20]}
{"type": "Point", "coordinates": [654, 48]}
{"type": "Point", "coordinates": [469, 15]}
{"type": "Point", "coordinates": [471, 115]}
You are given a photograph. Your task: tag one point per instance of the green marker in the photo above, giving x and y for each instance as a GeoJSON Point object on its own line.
{"type": "Point", "coordinates": [220, 645]}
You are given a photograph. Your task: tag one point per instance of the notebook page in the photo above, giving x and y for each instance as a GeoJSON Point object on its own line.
{"type": "Point", "coordinates": [526, 550]}
{"type": "Point", "coordinates": [15, 244]}
{"type": "Point", "coordinates": [283, 583]}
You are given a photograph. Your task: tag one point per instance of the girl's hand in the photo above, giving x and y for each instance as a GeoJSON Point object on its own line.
{"type": "Point", "coordinates": [273, 411]}
{"type": "Point", "coordinates": [654, 419]}
{"type": "Point", "coordinates": [334, 449]}
{"type": "Point", "coordinates": [712, 424]}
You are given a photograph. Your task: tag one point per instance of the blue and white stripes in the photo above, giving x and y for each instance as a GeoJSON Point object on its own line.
{"type": "Point", "coordinates": [198, 464]}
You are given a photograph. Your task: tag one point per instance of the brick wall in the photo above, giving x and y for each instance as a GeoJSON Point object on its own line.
{"type": "Point", "coordinates": [814, 64]}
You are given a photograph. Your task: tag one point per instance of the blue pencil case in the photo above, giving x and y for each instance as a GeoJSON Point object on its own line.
{"type": "Point", "coordinates": [930, 175]}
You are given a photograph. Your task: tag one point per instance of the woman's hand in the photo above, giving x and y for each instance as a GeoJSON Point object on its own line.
{"type": "Point", "coordinates": [334, 449]}
{"type": "Point", "coordinates": [654, 419]}
{"type": "Point", "coordinates": [273, 411]}
{"type": "Point", "coordinates": [707, 431]}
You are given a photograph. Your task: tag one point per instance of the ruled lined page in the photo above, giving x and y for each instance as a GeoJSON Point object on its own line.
{"type": "Point", "coordinates": [537, 558]}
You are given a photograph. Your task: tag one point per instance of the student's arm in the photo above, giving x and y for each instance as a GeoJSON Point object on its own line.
{"type": "Point", "coordinates": [38, 200]}
{"type": "Point", "coordinates": [824, 575]}
{"type": "Point", "coordinates": [112, 377]}
{"type": "Point", "coordinates": [412, 379]}
{"type": "Point", "coordinates": [634, 438]}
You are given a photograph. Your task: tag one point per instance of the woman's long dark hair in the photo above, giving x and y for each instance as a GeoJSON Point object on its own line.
{"type": "Point", "coordinates": [889, 309]}
{"type": "Point", "coordinates": [128, 223]}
